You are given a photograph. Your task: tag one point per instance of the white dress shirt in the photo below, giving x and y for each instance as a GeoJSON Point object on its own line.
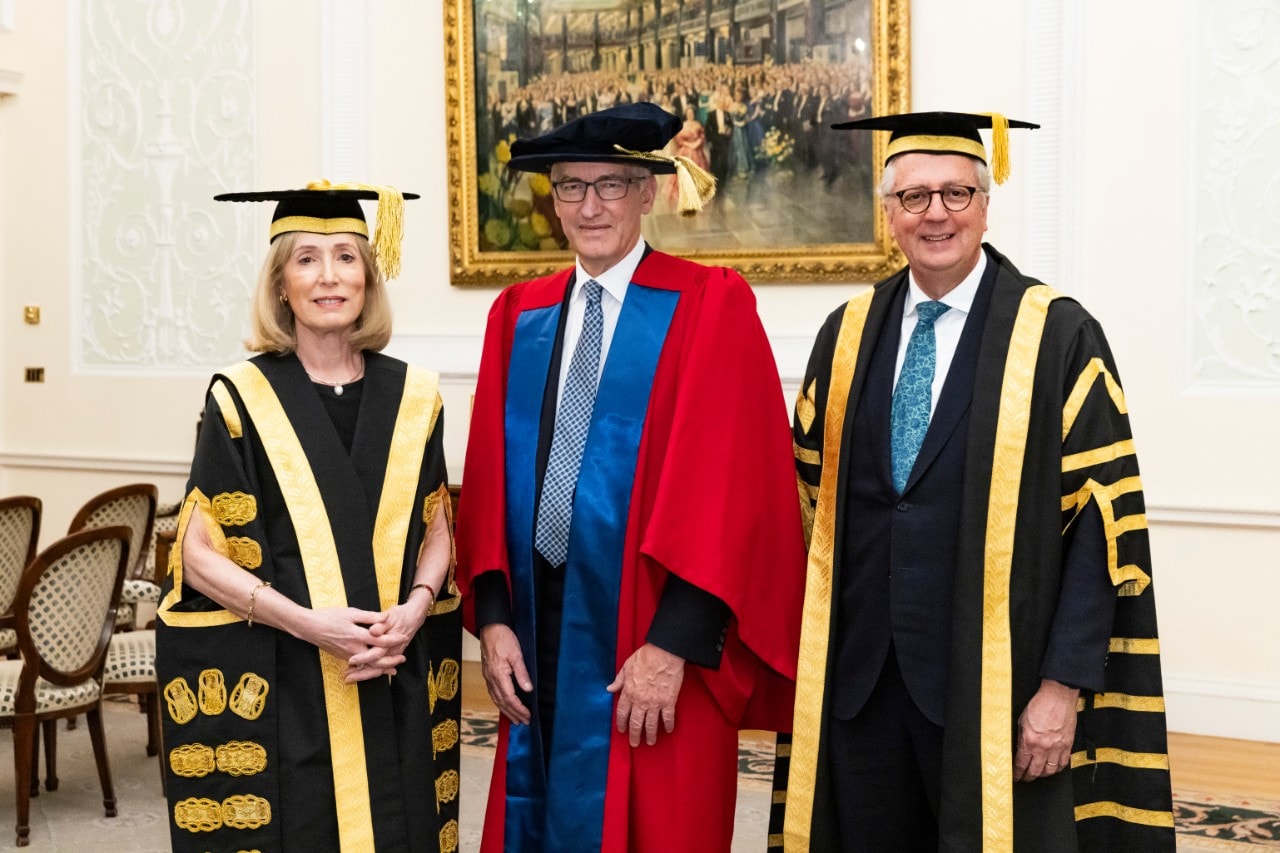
{"type": "Point", "coordinates": [946, 329]}
{"type": "Point", "coordinates": [613, 283]}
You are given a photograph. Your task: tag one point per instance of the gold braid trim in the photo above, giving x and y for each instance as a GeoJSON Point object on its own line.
{"type": "Point", "coordinates": [415, 420]}
{"type": "Point", "coordinates": [1110, 755]}
{"type": "Point", "coordinates": [1130, 579]}
{"type": "Point", "coordinates": [1135, 645]}
{"type": "Point", "coordinates": [1128, 814]}
{"type": "Point", "coordinates": [815, 626]}
{"type": "Point", "coordinates": [1012, 425]}
{"type": "Point", "coordinates": [1084, 384]}
{"type": "Point", "coordinates": [326, 589]}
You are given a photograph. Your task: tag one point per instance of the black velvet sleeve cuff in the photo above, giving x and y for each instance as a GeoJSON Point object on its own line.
{"type": "Point", "coordinates": [690, 623]}
{"type": "Point", "coordinates": [493, 601]}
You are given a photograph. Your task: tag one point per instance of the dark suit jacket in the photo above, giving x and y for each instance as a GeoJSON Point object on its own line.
{"type": "Point", "coordinates": [899, 557]}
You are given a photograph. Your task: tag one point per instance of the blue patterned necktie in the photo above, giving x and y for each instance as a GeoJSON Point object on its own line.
{"type": "Point", "coordinates": [913, 397]}
{"type": "Point", "coordinates": [570, 434]}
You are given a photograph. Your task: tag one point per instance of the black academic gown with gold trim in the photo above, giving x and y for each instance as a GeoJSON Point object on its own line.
{"type": "Point", "coordinates": [1045, 454]}
{"type": "Point", "coordinates": [310, 763]}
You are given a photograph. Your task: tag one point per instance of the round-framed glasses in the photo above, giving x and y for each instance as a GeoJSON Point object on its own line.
{"type": "Point", "coordinates": [607, 189]}
{"type": "Point", "coordinates": [955, 198]}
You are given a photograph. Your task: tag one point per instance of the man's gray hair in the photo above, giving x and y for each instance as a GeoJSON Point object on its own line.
{"type": "Point", "coordinates": [886, 182]}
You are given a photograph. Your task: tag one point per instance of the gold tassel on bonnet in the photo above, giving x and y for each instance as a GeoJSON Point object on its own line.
{"type": "Point", "coordinates": [946, 133]}
{"type": "Point", "coordinates": [697, 186]}
{"type": "Point", "coordinates": [327, 208]}
{"type": "Point", "coordinates": [627, 133]}
{"type": "Point", "coordinates": [388, 227]}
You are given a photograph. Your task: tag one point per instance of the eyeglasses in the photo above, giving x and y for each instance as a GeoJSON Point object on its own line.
{"type": "Point", "coordinates": [607, 189]}
{"type": "Point", "coordinates": [955, 198]}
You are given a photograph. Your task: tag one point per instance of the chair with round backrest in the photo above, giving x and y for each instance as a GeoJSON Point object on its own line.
{"type": "Point", "coordinates": [19, 533]}
{"type": "Point", "coordinates": [65, 615]}
{"type": "Point", "coordinates": [133, 505]}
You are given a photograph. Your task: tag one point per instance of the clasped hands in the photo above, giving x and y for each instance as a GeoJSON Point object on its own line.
{"type": "Point", "coordinates": [647, 686]}
{"type": "Point", "coordinates": [371, 642]}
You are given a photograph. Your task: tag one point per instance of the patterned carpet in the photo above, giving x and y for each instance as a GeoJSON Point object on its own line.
{"type": "Point", "coordinates": [1204, 822]}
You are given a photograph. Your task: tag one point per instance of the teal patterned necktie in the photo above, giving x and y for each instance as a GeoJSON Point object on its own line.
{"type": "Point", "coordinates": [569, 436]}
{"type": "Point", "coordinates": [913, 397]}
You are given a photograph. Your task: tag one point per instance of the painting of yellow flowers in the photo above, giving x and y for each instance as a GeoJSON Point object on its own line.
{"type": "Point", "coordinates": [756, 84]}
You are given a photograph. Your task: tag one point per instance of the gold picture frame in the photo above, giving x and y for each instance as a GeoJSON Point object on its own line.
{"type": "Point", "coordinates": [771, 227]}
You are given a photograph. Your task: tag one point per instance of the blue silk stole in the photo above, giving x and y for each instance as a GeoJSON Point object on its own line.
{"type": "Point", "coordinates": [570, 816]}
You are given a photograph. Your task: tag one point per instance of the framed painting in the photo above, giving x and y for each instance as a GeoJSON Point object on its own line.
{"type": "Point", "coordinates": [757, 83]}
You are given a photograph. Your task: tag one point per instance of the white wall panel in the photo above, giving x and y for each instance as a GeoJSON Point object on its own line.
{"type": "Point", "coordinates": [162, 120]}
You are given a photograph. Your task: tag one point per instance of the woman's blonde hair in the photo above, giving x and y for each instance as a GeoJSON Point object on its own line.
{"type": "Point", "coordinates": [272, 323]}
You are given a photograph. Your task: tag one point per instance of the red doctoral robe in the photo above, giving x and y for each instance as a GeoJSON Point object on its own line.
{"type": "Point", "coordinates": [713, 501]}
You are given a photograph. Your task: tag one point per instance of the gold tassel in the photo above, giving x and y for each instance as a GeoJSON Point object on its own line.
{"type": "Point", "coordinates": [697, 186]}
{"type": "Point", "coordinates": [999, 147]}
{"type": "Point", "coordinates": [388, 226]}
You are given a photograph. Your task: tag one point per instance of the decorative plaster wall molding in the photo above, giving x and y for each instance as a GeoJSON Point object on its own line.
{"type": "Point", "coordinates": [162, 118]}
{"type": "Point", "coordinates": [1233, 304]}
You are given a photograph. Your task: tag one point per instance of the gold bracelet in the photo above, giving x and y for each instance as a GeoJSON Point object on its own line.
{"type": "Point", "coordinates": [253, 599]}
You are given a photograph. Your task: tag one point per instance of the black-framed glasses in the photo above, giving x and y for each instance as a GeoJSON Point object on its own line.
{"type": "Point", "coordinates": [607, 189]}
{"type": "Point", "coordinates": [955, 198]}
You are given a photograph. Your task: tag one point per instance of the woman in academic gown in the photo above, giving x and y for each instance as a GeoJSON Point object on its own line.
{"type": "Point", "coordinates": [309, 636]}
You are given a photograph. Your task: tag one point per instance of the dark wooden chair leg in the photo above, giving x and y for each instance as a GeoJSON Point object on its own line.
{"type": "Point", "coordinates": [150, 706]}
{"type": "Point", "coordinates": [71, 724]}
{"type": "Point", "coordinates": [50, 755]}
{"type": "Point", "coordinates": [159, 735]}
{"type": "Point", "coordinates": [100, 755]}
{"type": "Point", "coordinates": [34, 774]}
{"type": "Point", "coordinates": [24, 733]}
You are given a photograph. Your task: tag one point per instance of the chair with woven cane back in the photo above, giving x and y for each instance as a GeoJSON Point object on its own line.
{"type": "Point", "coordinates": [19, 533]}
{"type": "Point", "coordinates": [65, 614]}
{"type": "Point", "coordinates": [133, 505]}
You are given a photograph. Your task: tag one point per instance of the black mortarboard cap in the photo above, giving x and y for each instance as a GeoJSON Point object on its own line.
{"type": "Point", "coordinates": [620, 134]}
{"type": "Point", "coordinates": [325, 208]}
{"type": "Point", "coordinates": [945, 133]}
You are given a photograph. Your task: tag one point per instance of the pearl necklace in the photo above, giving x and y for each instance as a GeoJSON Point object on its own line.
{"type": "Point", "coordinates": [337, 386]}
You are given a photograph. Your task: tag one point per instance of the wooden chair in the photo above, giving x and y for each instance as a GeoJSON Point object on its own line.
{"type": "Point", "coordinates": [19, 533]}
{"type": "Point", "coordinates": [131, 657]}
{"type": "Point", "coordinates": [130, 669]}
{"type": "Point", "coordinates": [135, 506]}
{"type": "Point", "coordinates": [65, 615]}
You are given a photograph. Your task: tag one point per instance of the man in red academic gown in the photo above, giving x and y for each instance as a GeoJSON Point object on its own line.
{"type": "Point", "coordinates": [628, 542]}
